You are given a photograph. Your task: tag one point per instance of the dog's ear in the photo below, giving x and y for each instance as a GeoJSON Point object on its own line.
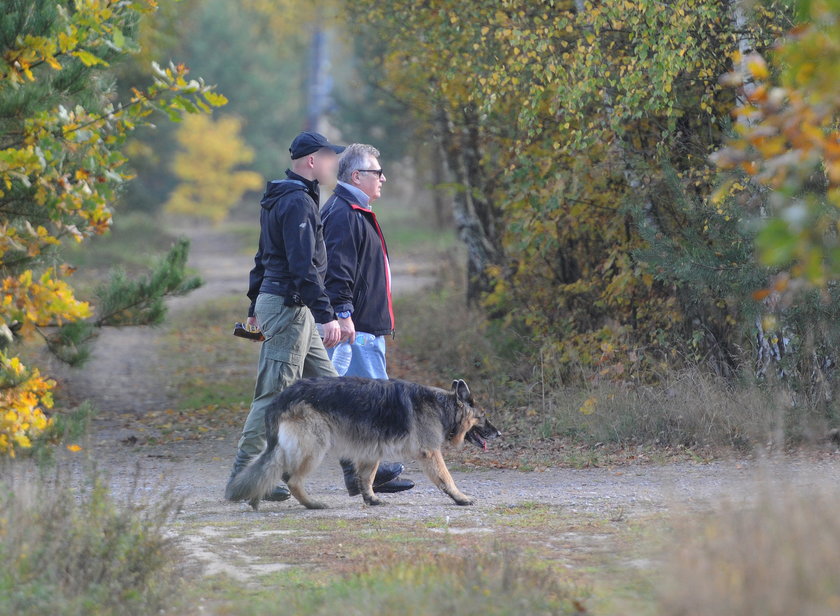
{"type": "Point", "coordinates": [462, 392]}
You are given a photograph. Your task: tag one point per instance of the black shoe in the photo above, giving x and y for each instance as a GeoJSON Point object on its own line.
{"type": "Point", "coordinates": [395, 485]}
{"type": "Point", "coordinates": [277, 495]}
{"type": "Point", "coordinates": [385, 473]}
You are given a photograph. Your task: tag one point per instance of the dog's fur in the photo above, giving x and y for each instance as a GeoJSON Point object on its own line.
{"type": "Point", "coordinates": [361, 420]}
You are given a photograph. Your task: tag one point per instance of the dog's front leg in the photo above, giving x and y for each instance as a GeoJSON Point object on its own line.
{"type": "Point", "coordinates": [435, 468]}
{"type": "Point", "coordinates": [366, 471]}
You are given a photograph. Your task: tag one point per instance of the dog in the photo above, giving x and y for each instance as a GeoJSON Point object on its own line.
{"type": "Point", "coordinates": [362, 420]}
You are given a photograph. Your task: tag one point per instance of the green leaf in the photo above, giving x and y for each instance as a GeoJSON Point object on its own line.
{"type": "Point", "coordinates": [776, 243]}
{"type": "Point", "coordinates": [217, 100]}
{"type": "Point", "coordinates": [119, 38]}
{"type": "Point", "coordinates": [88, 59]}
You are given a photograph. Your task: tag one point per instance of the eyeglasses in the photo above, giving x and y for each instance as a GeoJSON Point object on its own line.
{"type": "Point", "coordinates": [378, 172]}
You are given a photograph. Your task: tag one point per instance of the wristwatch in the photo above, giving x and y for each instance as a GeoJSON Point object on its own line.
{"type": "Point", "coordinates": [344, 314]}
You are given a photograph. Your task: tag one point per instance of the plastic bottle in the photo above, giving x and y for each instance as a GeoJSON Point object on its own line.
{"type": "Point", "coordinates": [341, 358]}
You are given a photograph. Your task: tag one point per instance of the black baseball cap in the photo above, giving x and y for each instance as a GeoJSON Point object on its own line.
{"type": "Point", "coordinates": [308, 142]}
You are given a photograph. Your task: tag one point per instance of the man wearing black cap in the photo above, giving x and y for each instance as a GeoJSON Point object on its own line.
{"type": "Point", "coordinates": [287, 288]}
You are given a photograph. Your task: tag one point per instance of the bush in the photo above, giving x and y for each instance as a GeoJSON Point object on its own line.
{"type": "Point", "coordinates": [71, 552]}
{"type": "Point", "coordinates": [688, 406]}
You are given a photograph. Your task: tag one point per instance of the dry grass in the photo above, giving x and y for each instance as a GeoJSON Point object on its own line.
{"type": "Point", "coordinates": [779, 556]}
{"type": "Point", "coordinates": [686, 409]}
{"type": "Point", "coordinates": [691, 409]}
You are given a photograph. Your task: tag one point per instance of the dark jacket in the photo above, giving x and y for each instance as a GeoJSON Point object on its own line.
{"type": "Point", "coordinates": [358, 277]}
{"type": "Point", "coordinates": [291, 258]}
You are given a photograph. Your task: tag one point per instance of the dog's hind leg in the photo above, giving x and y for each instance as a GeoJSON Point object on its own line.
{"type": "Point", "coordinates": [302, 452]}
{"type": "Point", "coordinates": [435, 468]}
{"type": "Point", "coordinates": [366, 471]}
{"type": "Point", "coordinates": [295, 480]}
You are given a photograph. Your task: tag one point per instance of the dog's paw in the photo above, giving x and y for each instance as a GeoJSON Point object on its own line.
{"type": "Point", "coordinates": [373, 502]}
{"type": "Point", "coordinates": [316, 505]}
{"type": "Point", "coordinates": [255, 504]}
{"type": "Point", "coordinates": [466, 500]}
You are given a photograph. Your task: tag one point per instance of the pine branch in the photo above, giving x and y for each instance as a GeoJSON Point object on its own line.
{"type": "Point", "coordinates": [124, 302]}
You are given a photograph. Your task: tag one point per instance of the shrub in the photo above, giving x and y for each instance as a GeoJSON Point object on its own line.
{"type": "Point", "coordinates": [69, 552]}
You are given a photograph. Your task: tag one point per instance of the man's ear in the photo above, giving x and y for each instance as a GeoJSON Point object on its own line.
{"type": "Point", "coordinates": [462, 392]}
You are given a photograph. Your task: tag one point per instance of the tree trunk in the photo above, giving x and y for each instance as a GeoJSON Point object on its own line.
{"type": "Point", "coordinates": [475, 218]}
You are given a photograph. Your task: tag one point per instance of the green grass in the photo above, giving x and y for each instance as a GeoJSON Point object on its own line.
{"type": "Point", "coordinates": [486, 584]}
{"type": "Point", "coordinates": [218, 368]}
{"type": "Point", "coordinates": [411, 230]}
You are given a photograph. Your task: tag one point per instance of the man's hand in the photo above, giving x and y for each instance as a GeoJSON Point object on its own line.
{"type": "Point", "coordinates": [347, 329]}
{"type": "Point", "coordinates": [252, 325]}
{"type": "Point", "coordinates": [332, 334]}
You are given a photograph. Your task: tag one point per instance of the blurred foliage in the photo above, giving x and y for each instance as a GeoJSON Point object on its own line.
{"type": "Point", "coordinates": [787, 141]}
{"type": "Point", "coordinates": [61, 165]}
{"type": "Point", "coordinates": [206, 165]}
{"type": "Point", "coordinates": [256, 55]}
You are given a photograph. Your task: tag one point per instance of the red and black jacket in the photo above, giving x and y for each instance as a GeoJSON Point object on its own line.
{"type": "Point", "coordinates": [358, 276]}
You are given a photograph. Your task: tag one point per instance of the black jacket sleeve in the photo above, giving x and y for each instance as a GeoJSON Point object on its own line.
{"type": "Point", "coordinates": [299, 224]}
{"type": "Point", "coordinates": [342, 258]}
{"type": "Point", "coordinates": [255, 278]}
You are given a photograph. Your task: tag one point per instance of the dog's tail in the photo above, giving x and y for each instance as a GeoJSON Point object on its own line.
{"type": "Point", "coordinates": [262, 474]}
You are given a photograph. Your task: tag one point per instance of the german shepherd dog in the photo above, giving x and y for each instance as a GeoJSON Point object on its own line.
{"type": "Point", "coordinates": [361, 420]}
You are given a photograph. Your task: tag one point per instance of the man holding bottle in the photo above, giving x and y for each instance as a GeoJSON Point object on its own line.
{"type": "Point", "coordinates": [358, 281]}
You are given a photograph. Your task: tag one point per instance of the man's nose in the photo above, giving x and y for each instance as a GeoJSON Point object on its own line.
{"type": "Point", "coordinates": [382, 178]}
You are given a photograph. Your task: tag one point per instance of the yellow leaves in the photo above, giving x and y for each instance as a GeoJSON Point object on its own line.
{"type": "Point", "coordinates": [786, 134]}
{"type": "Point", "coordinates": [23, 396]}
{"type": "Point", "coordinates": [757, 66]}
{"type": "Point", "coordinates": [589, 405]}
{"type": "Point", "coordinates": [59, 170]}
{"type": "Point", "coordinates": [39, 302]}
{"type": "Point", "coordinates": [67, 40]}
{"type": "Point", "coordinates": [210, 183]}
{"type": "Point", "coordinates": [215, 99]}
{"type": "Point", "coordinates": [74, 448]}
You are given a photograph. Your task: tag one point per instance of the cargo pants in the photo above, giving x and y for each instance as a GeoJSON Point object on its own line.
{"type": "Point", "coordinates": [292, 349]}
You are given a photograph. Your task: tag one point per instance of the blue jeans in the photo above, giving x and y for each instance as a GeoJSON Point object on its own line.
{"type": "Point", "coordinates": [367, 356]}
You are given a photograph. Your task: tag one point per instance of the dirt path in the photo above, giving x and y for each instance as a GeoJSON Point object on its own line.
{"type": "Point", "coordinates": [566, 514]}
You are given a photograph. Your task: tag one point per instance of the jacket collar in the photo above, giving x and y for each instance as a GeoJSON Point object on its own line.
{"type": "Point", "coordinates": [311, 185]}
{"type": "Point", "coordinates": [357, 196]}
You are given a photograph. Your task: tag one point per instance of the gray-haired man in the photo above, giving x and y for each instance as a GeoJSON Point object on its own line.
{"type": "Point", "coordinates": [358, 281]}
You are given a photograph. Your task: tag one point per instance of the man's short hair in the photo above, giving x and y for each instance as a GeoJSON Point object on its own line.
{"type": "Point", "coordinates": [355, 158]}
